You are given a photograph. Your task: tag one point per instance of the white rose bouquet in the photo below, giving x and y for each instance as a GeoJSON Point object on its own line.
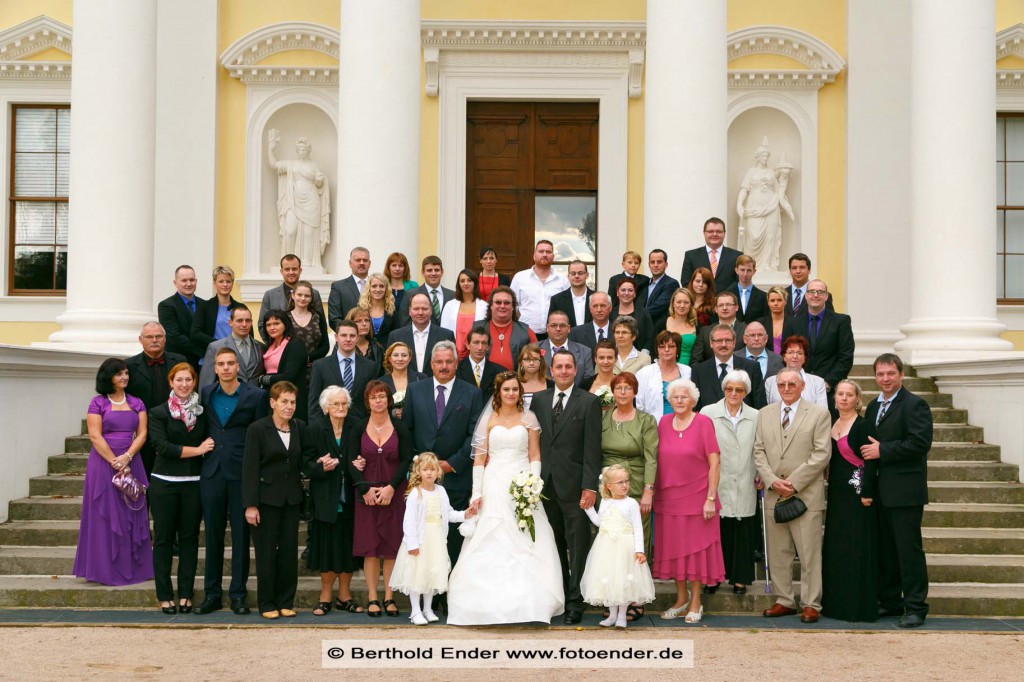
{"type": "Point", "coordinates": [604, 394]}
{"type": "Point", "coordinates": [526, 494]}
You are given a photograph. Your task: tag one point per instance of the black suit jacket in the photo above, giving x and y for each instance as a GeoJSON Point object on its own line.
{"type": "Point", "coordinates": [327, 372]}
{"type": "Point", "coordinates": [169, 436]}
{"type": "Point", "coordinates": [270, 472]}
{"type": "Point", "coordinates": [452, 441]}
{"type": "Point", "coordinates": [641, 281]}
{"type": "Point", "coordinates": [229, 449]}
{"type": "Point", "coordinates": [205, 322]}
{"type": "Point", "coordinates": [570, 446]}
{"type": "Point", "coordinates": [905, 437]}
{"type": "Point", "coordinates": [149, 384]}
{"type": "Point", "coordinates": [698, 258]}
{"type": "Point", "coordinates": [294, 360]}
{"type": "Point", "coordinates": [802, 308]}
{"type": "Point", "coordinates": [702, 349]}
{"type": "Point", "coordinates": [343, 298]}
{"type": "Point", "coordinates": [563, 301]}
{"type": "Point", "coordinates": [757, 306]}
{"type": "Point", "coordinates": [705, 375]}
{"type": "Point", "coordinates": [831, 355]}
{"type": "Point", "coordinates": [657, 302]}
{"type": "Point", "coordinates": [402, 314]}
{"type": "Point", "coordinates": [435, 334]}
{"type": "Point", "coordinates": [491, 370]}
{"type": "Point", "coordinates": [325, 486]}
{"type": "Point", "coordinates": [176, 319]}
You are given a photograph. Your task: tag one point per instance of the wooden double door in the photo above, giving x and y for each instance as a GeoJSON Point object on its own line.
{"type": "Point", "coordinates": [522, 155]}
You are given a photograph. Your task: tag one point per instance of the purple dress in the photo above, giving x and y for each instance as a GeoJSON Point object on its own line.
{"type": "Point", "coordinates": [378, 530]}
{"type": "Point", "coordinates": [113, 541]}
{"type": "Point", "coordinates": [686, 547]}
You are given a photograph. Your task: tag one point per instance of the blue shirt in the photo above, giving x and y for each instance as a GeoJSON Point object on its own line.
{"type": "Point", "coordinates": [190, 303]}
{"type": "Point", "coordinates": [224, 404]}
{"type": "Point", "coordinates": [744, 297]}
{"type": "Point", "coordinates": [221, 328]}
{"type": "Point", "coordinates": [762, 360]}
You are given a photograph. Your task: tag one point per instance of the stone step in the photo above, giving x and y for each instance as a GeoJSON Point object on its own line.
{"type": "Point", "coordinates": [913, 384]}
{"type": "Point", "coordinates": [933, 399]}
{"type": "Point", "coordinates": [987, 541]}
{"type": "Point", "coordinates": [77, 444]}
{"type": "Point", "coordinates": [952, 470]}
{"type": "Point", "coordinates": [962, 452]}
{"type": "Point", "coordinates": [45, 508]}
{"type": "Point", "coordinates": [869, 371]}
{"type": "Point", "coordinates": [974, 515]}
{"type": "Point", "coordinates": [57, 484]}
{"type": "Point", "coordinates": [981, 492]}
{"type": "Point", "coordinates": [976, 568]}
{"type": "Point", "coordinates": [67, 463]}
{"type": "Point", "coordinates": [948, 415]}
{"type": "Point", "coordinates": [957, 433]}
{"type": "Point", "coordinates": [65, 533]}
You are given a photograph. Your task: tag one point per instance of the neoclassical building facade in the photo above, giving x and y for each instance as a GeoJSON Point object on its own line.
{"type": "Point", "coordinates": [137, 137]}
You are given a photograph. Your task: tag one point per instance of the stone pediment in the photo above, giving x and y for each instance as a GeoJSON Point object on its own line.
{"type": "Point", "coordinates": [20, 43]}
{"type": "Point", "coordinates": [242, 59]}
{"type": "Point", "coordinates": [817, 62]}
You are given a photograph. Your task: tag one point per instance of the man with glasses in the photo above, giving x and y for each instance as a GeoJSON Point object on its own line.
{"type": "Point", "coordinates": [558, 340]}
{"type": "Point", "coordinates": [147, 376]}
{"type": "Point", "coordinates": [575, 301]}
{"type": "Point", "coordinates": [755, 340]}
{"type": "Point", "coordinates": [508, 334]}
{"type": "Point", "coordinates": [708, 375]}
{"type": "Point", "coordinates": [830, 336]}
{"type": "Point", "coordinates": [726, 307]}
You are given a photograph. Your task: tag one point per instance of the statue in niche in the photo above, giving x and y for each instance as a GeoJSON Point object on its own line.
{"type": "Point", "coordinates": [303, 204]}
{"type": "Point", "coordinates": [761, 202]}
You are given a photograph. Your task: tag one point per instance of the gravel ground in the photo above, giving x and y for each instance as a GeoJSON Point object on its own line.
{"type": "Point", "coordinates": [257, 653]}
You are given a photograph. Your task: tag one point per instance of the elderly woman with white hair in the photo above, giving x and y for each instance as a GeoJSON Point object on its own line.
{"type": "Point", "coordinates": [735, 427]}
{"type": "Point", "coordinates": [331, 528]}
{"type": "Point", "coordinates": [687, 540]}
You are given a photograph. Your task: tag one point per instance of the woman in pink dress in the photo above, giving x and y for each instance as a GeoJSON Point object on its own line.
{"type": "Point", "coordinates": [687, 539]}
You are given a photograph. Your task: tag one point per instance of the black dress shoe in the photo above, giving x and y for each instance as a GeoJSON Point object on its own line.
{"type": "Point", "coordinates": [209, 605]}
{"type": "Point", "coordinates": [239, 607]}
{"type": "Point", "coordinates": [911, 620]}
{"type": "Point", "coordinates": [304, 557]}
{"type": "Point", "coordinates": [739, 589]}
{"type": "Point", "coordinates": [572, 617]}
{"type": "Point", "coordinates": [711, 589]}
{"type": "Point", "coordinates": [890, 613]}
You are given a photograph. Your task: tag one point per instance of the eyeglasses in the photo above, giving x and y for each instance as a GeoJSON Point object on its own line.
{"type": "Point", "coordinates": [787, 384]}
{"type": "Point", "coordinates": [721, 340]}
{"type": "Point", "coordinates": [501, 303]}
{"type": "Point", "coordinates": [735, 389]}
{"type": "Point", "coordinates": [793, 352]}
{"type": "Point", "coordinates": [336, 406]}
{"type": "Point", "coordinates": [153, 337]}
{"type": "Point", "coordinates": [816, 292]}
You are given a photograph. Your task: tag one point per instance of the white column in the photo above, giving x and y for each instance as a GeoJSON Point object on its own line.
{"type": "Point", "coordinates": [379, 131]}
{"type": "Point", "coordinates": [110, 240]}
{"type": "Point", "coordinates": [953, 190]}
{"type": "Point", "coordinates": [685, 127]}
{"type": "Point", "coordinates": [877, 172]}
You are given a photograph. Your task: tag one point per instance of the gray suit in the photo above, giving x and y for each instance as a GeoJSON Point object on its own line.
{"type": "Point", "coordinates": [702, 349]}
{"type": "Point", "coordinates": [774, 362]}
{"type": "Point", "coordinates": [247, 371]}
{"type": "Point", "coordinates": [344, 297]}
{"type": "Point", "coordinates": [584, 364]}
{"type": "Point", "coordinates": [279, 298]}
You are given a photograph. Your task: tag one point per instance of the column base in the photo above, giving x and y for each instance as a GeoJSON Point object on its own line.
{"type": "Point", "coordinates": [871, 344]}
{"type": "Point", "coordinates": [99, 331]}
{"type": "Point", "coordinates": [930, 341]}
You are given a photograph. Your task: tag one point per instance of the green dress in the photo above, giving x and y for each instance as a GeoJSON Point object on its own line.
{"type": "Point", "coordinates": [686, 347]}
{"type": "Point", "coordinates": [633, 444]}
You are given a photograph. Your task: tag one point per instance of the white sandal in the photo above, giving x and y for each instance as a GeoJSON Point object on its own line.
{"type": "Point", "coordinates": [673, 612]}
{"type": "Point", "coordinates": [695, 616]}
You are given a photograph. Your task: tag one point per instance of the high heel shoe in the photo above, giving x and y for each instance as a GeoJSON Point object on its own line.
{"type": "Point", "coordinates": [694, 616]}
{"type": "Point", "coordinates": [170, 609]}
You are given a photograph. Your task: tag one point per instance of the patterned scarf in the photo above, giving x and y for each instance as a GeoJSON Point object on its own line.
{"type": "Point", "coordinates": [185, 410]}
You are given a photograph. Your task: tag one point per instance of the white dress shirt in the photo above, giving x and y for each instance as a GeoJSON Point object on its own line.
{"type": "Point", "coordinates": [534, 297]}
{"type": "Point", "coordinates": [792, 412]}
{"type": "Point", "coordinates": [419, 340]}
{"type": "Point", "coordinates": [447, 390]}
{"type": "Point", "coordinates": [579, 307]}
{"type": "Point", "coordinates": [565, 401]}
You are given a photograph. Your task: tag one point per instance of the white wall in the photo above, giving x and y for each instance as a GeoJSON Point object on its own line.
{"type": "Point", "coordinates": [44, 396]}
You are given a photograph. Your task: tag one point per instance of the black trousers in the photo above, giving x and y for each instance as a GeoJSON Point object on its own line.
{"type": "Point", "coordinates": [738, 536]}
{"type": "Point", "coordinates": [903, 571]}
{"type": "Point", "coordinates": [177, 511]}
{"type": "Point", "coordinates": [571, 527]}
{"type": "Point", "coordinates": [222, 499]}
{"type": "Point", "coordinates": [277, 565]}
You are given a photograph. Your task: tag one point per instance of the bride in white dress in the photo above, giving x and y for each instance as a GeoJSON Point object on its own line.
{"type": "Point", "coordinates": [502, 576]}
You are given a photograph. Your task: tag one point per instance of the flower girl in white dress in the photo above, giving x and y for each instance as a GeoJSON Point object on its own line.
{"type": "Point", "coordinates": [617, 573]}
{"type": "Point", "coordinates": [422, 565]}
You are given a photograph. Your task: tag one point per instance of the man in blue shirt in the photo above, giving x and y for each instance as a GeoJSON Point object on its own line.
{"type": "Point", "coordinates": [177, 312]}
{"type": "Point", "coordinates": [755, 338]}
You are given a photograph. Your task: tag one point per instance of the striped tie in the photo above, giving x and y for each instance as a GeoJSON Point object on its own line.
{"type": "Point", "coordinates": [785, 418]}
{"type": "Point", "coordinates": [346, 376]}
{"type": "Point", "coordinates": [714, 263]}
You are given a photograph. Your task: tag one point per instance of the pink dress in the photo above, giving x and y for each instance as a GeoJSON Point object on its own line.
{"type": "Point", "coordinates": [686, 547]}
{"type": "Point", "coordinates": [463, 323]}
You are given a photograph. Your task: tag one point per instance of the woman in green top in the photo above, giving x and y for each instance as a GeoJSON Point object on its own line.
{"type": "Point", "coordinates": [682, 319]}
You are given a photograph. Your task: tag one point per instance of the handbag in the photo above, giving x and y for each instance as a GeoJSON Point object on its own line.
{"type": "Point", "coordinates": [130, 487]}
{"type": "Point", "coordinates": [788, 509]}
{"type": "Point", "coordinates": [306, 505]}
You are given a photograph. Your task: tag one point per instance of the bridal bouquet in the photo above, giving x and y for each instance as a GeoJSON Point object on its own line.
{"type": "Point", "coordinates": [525, 492]}
{"type": "Point", "coordinates": [399, 399]}
{"type": "Point", "coordinates": [604, 394]}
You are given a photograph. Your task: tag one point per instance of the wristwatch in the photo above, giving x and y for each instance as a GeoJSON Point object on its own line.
{"type": "Point", "coordinates": [711, 498]}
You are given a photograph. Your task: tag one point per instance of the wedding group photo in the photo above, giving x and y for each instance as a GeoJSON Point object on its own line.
{"type": "Point", "coordinates": [487, 319]}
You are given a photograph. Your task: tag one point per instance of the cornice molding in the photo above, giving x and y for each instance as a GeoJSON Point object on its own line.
{"type": "Point", "coordinates": [242, 58]}
{"type": "Point", "coordinates": [1010, 42]}
{"type": "Point", "coordinates": [29, 38]}
{"type": "Point", "coordinates": [822, 62]}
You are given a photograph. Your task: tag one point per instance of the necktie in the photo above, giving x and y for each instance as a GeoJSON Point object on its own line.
{"type": "Point", "coordinates": [746, 292]}
{"type": "Point", "coordinates": [439, 404]}
{"type": "Point", "coordinates": [785, 418]}
{"type": "Point", "coordinates": [346, 376]}
{"type": "Point", "coordinates": [725, 370]}
{"type": "Point", "coordinates": [559, 406]}
{"type": "Point", "coordinates": [797, 299]}
{"type": "Point", "coordinates": [556, 350]}
{"type": "Point", "coordinates": [600, 334]}
{"type": "Point", "coordinates": [714, 262]}
{"type": "Point", "coordinates": [881, 412]}
{"type": "Point", "coordinates": [435, 304]}
{"type": "Point", "coordinates": [361, 283]}
{"type": "Point", "coordinates": [243, 350]}
{"type": "Point", "coordinates": [477, 372]}
{"type": "Point", "coordinates": [816, 324]}
{"type": "Point", "coordinates": [192, 306]}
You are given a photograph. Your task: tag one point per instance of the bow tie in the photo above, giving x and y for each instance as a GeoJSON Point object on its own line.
{"type": "Point", "coordinates": [158, 361]}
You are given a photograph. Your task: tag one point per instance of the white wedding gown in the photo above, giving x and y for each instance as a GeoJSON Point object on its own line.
{"type": "Point", "coordinates": [502, 576]}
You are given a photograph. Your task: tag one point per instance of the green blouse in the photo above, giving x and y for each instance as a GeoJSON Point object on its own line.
{"type": "Point", "coordinates": [634, 444]}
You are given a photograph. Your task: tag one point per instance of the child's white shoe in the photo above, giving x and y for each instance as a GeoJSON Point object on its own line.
{"type": "Point", "coordinates": [607, 622]}
{"type": "Point", "coordinates": [430, 616]}
{"type": "Point", "coordinates": [418, 619]}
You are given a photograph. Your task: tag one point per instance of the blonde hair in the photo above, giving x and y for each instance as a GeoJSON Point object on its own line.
{"type": "Point", "coordinates": [365, 302]}
{"type": "Point", "coordinates": [606, 474]}
{"type": "Point", "coordinates": [419, 462]}
{"type": "Point", "coordinates": [856, 389]}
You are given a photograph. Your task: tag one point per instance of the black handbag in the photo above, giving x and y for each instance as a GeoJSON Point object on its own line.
{"type": "Point", "coordinates": [788, 509]}
{"type": "Point", "coordinates": [306, 506]}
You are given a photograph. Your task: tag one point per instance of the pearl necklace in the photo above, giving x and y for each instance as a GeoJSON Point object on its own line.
{"type": "Point", "coordinates": [116, 402]}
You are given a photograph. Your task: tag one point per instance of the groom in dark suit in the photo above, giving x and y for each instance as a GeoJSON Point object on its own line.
{"type": "Point", "coordinates": [899, 438]}
{"type": "Point", "coordinates": [441, 415]}
{"type": "Point", "coordinates": [570, 455]}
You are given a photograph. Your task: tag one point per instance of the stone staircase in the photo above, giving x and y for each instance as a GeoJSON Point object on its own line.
{"type": "Point", "coordinates": [974, 532]}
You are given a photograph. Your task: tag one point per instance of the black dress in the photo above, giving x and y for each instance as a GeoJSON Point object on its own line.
{"type": "Point", "coordinates": [333, 504]}
{"type": "Point", "coordinates": [849, 572]}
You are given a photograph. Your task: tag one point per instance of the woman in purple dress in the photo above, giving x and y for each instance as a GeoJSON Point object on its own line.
{"type": "Point", "coordinates": [687, 538]}
{"type": "Point", "coordinates": [386, 445]}
{"type": "Point", "coordinates": [113, 537]}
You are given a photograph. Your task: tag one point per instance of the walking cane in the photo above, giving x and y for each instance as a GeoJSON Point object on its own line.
{"type": "Point", "coordinates": [764, 534]}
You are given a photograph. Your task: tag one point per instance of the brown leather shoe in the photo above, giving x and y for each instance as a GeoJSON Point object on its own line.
{"type": "Point", "coordinates": [778, 610]}
{"type": "Point", "coordinates": [809, 615]}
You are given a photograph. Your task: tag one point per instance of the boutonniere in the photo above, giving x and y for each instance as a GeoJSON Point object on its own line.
{"type": "Point", "coordinates": [543, 352]}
